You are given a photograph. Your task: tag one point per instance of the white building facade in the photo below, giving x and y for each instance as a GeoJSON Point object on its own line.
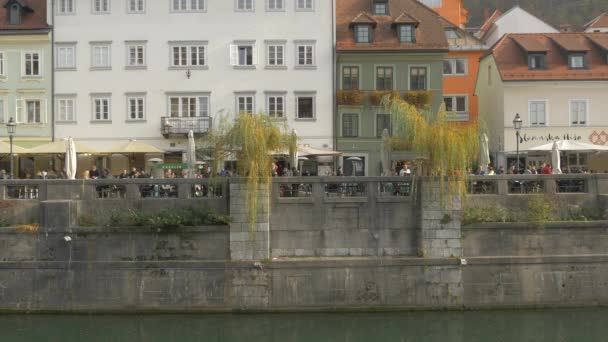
{"type": "Point", "coordinates": [515, 20]}
{"type": "Point", "coordinates": [151, 70]}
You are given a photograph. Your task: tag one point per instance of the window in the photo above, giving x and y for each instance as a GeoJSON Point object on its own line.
{"type": "Point", "coordinates": [380, 7]}
{"type": "Point", "coordinates": [384, 78]}
{"type": "Point", "coordinates": [244, 5]}
{"type": "Point", "coordinates": [537, 61]}
{"type": "Point", "coordinates": [350, 78]}
{"type": "Point", "coordinates": [275, 5]}
{"type": "Point", "coordinates": [383, 121]}
{"type": "Point", "coordinates": [276, 54]}
{"type": "Point", "coordinates": [458, 105]}
{"type": "Point", "coordinates": [31, 64]}
{"type": "Point", "coordinates": [305, 106]}
{"type": "Point", "coordinates": [418, 78]}
{"type": "Point", "coordinates": [15, 15]}
{"type": "Point", "coordinates": [578, 112]}
{"type": "Point", "coordinates": [136, 6]}
{"type": "Point", "coordinates": [245, 103]}
{"type": "Point", "coordinates": [451, 34]}
{"type": "Point", "coordinates": [363, 33]}
{"type": "Point", "coordinates": [243, 54]}
{"type": "Point", "coordinates": [33, 110]}
{"type": "Point", "coordinates": [101, 108]}
{"type": "Point", "coordinates": [407, 33]}
{"type": "Point", "coordinates": [538, 113]}
{"type": "Point", "coordinates": [304, 5]}
{"type": "Point", "coordinates": [432, 3]}
{"type": "Point", "coordinates": [275, 104]}
{"type": "Point", "coordinates": [350, 125]}
{"type": "Point", "coordinates": [188, 106]}
{"type": "Point", "coordinates": [136, 107]}
{"type": "Point", "coordinates": [576, 61]}
{"type": "Point", "coordinates": [66, 56]}
{"type": "Point", "coordinates": [455, 67]}
{"type": "Point", "coordinates": [136, 55]}
{"type": "Point", "coordinates": [188, 5]}
{"type": "Point", "coordinates": [65, 6]}
{"type": "Point", "coordinates": [305, 54]}
{"type": "Point", "coordinates": [66, 109]}
{"type": "Point", "coordinates": [101, 6]}
{"type": "Point", "coordinates": [188, 56]}
{"type": "Point", "coordinates": [101, 55]}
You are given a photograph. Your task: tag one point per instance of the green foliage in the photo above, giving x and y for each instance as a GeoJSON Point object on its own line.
{"type": "Point", "coordinates": [349, 97]}
{"type": "Point", "coordinates": [446, 219]}
{"type": "Point", "coordinates": [485, 214]}
{"type": "Point", "coordinates": [540, 209]}
{"type": "Point", "coordinates": [86, 221]}
{"type": "Point", "coordinates": [418, 99]}
{"type": "Point", "coordinates": [4, 222]}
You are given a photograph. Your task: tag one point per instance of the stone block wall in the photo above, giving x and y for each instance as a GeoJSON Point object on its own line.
{"type": "Point", "coordinates": [249, 241]}
{"type": "Point", "coordinates": [440, 236]}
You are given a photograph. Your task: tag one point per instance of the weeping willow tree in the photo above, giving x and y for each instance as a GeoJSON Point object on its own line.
{"type": "Point", "coordinates": [252, 139]}
{"type": "Point", "coordinates": [446, 149]}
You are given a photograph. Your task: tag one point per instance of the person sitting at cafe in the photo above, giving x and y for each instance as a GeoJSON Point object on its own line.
{"type": "Point", "coordinates": [124, 174]}
{"type": "Point", "coordinates": [94, 173]}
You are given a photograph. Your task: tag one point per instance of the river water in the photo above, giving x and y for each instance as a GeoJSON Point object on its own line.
{"type": "Point", "coordinates": [576, 325]}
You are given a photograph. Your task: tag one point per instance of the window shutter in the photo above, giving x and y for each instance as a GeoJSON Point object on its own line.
{"type": "Point", "coordinates": [19, 110]}
{"type": "Point", "coordinates": [234, 54]}
{"type": "Point", "coordinates": [254, 52]}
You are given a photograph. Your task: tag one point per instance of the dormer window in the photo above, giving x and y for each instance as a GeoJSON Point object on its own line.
{"type": "Point", "coordinates": [380, 7]}
{"type": "Point", "coordinates": [14, 17]}
{"type": "Point", "coordinates": [407, 33]}
{"type": "Point", "coordinates": [537, 61]}
{"type": "Point", "coordinates": [576, 61]}
{"type": "Point", "coordinates": [363, 33]}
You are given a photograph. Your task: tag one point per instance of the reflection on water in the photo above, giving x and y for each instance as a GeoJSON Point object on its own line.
{"type": "Point", "coordinates": [576, 325]}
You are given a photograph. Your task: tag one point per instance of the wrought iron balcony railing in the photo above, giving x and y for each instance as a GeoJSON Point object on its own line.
{"type": "Point", "coordinates": [183, 125]}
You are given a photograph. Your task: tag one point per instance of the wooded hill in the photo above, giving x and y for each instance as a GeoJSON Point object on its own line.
{"type": "Point", "coordinates": [555, 12]}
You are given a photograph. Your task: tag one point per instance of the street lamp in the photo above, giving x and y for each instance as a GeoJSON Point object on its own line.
{"type": "Point", "coordinates": [11, 128]}
{"type": "Point", "coordinates": [517, 125]}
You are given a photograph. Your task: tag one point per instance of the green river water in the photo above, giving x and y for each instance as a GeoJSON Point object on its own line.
{"type": "Point", "coordinates": [576, 325]}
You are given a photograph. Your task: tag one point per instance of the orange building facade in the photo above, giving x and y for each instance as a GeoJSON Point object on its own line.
{"type": "Point", "coordinates": [452, 10]}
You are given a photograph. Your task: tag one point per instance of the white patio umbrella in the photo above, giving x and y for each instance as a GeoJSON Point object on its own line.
{"type": "Point", "coordinates": [191, 155]}
{"type": "Point", "coordinates": [70, 159]}
{"type": "Point", "coordinates": [555, 159]}
{"type": "Point", "coordinates": [484, 152]}
{"type": "Point", "coordinates": [385, 151]}
{"type": "Point", "coordinates": [293, 153]}
{"type": "Point", "coordinates": [568, 145]}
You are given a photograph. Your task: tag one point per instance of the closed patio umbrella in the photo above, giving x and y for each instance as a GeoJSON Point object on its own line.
{"type": "Point", "coordinates": [555, 159]}
{"type": "Point", "coordinates": [70, 159]}
{"type": "Point", "coordinates": [191, 155]}
{"type": "Point", "coordinates": [484, 152]}
{"type": "Point", "coordinates": [385, 151]}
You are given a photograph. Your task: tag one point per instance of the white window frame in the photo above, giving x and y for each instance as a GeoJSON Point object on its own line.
{"type": "Point", "coordinates": [138, 107]}
{"type": "Point", "coordinates": [63, 117]}
{"type": "Point", "coordinates": [530, 102]}
{"type": "Point", "coordinates": [394, 78]}
{"type": "Point", "coordinates": [578, 124]}
{"type": "Point", "coordinates": [276, 44]}
{"type": "Point", "coordinates": [58, 7]}
{"type": "Point", "coordinates": [21, 110]}
{"type": "Point", "coordinates": [459, 115]}
{"type": "Point", "coordinates": [244, 95]}
{"type": "Point", "coordinates": [188, 8]}
{"type": "Point", "coordinates": [235, 55]}
{"type": "Point", "coordinates": [136, 44]}
{"type": "Point", "coordinates": [137, 10]}
{"type": "Point", "coordinates": [3, 103]}
{"type": "Point", "coordinates": [305, 8]}
{"type": "Point", "coordinates": [101, 10]}
{"type": "Point", "coordinates": [276, 95]}
{"type": "Point", "coordinates": [24, 62]}
{"type": "Point", "coordinates": [2, 64]}
{"type": "Point", "coordinates": [428, 76]}
{"type": "Point", "coordinates": [58, 59]}
{"type": "Point", "coordinates": [104, 45]}
{"type": "Point", "coordinates": [199, 111]}
{"type": "Point", "coordinates": [453, 62]}
{"type": "Point", "coordinates": [101, 97]}
{"type": "Point", "coordinates": [305, 44]}
{"type": "Point", "coordinates": [297, 96]}
{"type": "Point", "coordinates": [237, 7]}
{"type": "Point", "coordinates": [358, 124]}
{"type": "Point", "coordinates": [188, 46]}
{"type": "Point", "coordinates": [269, 8]}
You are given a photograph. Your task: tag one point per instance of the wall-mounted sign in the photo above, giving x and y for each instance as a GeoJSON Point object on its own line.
{"type": "Point", "coordinates": [532, 137]}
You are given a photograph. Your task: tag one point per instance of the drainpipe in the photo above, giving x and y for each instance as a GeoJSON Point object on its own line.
{"type": "Point", "coordinates": [52, 123]}
{"type": "Point", "coordinates": [333, 80]}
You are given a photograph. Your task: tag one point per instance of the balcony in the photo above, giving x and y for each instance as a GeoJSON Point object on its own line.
{"type": "Point", "coordinates": [183, 125]}
{"type": "Point", "coordinates": [418, 99]}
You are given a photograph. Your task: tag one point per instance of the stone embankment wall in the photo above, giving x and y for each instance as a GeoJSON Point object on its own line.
{"type": "Point", "coordinates": [340, 243]}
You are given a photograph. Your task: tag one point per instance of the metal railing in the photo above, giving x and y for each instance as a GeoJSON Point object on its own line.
{"type": "Point", "coordinates": [295, 190]}
{"type": "Point", "coordinates": [183, 125]}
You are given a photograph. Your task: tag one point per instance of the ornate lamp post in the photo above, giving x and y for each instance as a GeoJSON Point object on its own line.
{"type": "Point", "coordinates": [517, 125]}
{"type": "Point", "coordinates": [11, 128]}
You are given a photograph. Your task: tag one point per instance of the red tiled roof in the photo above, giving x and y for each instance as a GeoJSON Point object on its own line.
{"type": "Point", "coordinates": [571, 42]}
{"type": "Point", "coordinates": [488, 24]}
{"type": "Point", "coordinates": [529, 43]}
{"type": "Point", "coordinates": [512, 62]}
{"type": "Point", "coordinates": [405, 18]}
{"type": "Point", "coordinates": [429, 34]}
{"type": "Point", "coordinates": [31, 20]}
{"type": "Point", "coordinates": [599, 21]}
{"type": "Point", "coordinates": [600, 40]}
{"type": "Point", "coordinates": [363, 18]}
